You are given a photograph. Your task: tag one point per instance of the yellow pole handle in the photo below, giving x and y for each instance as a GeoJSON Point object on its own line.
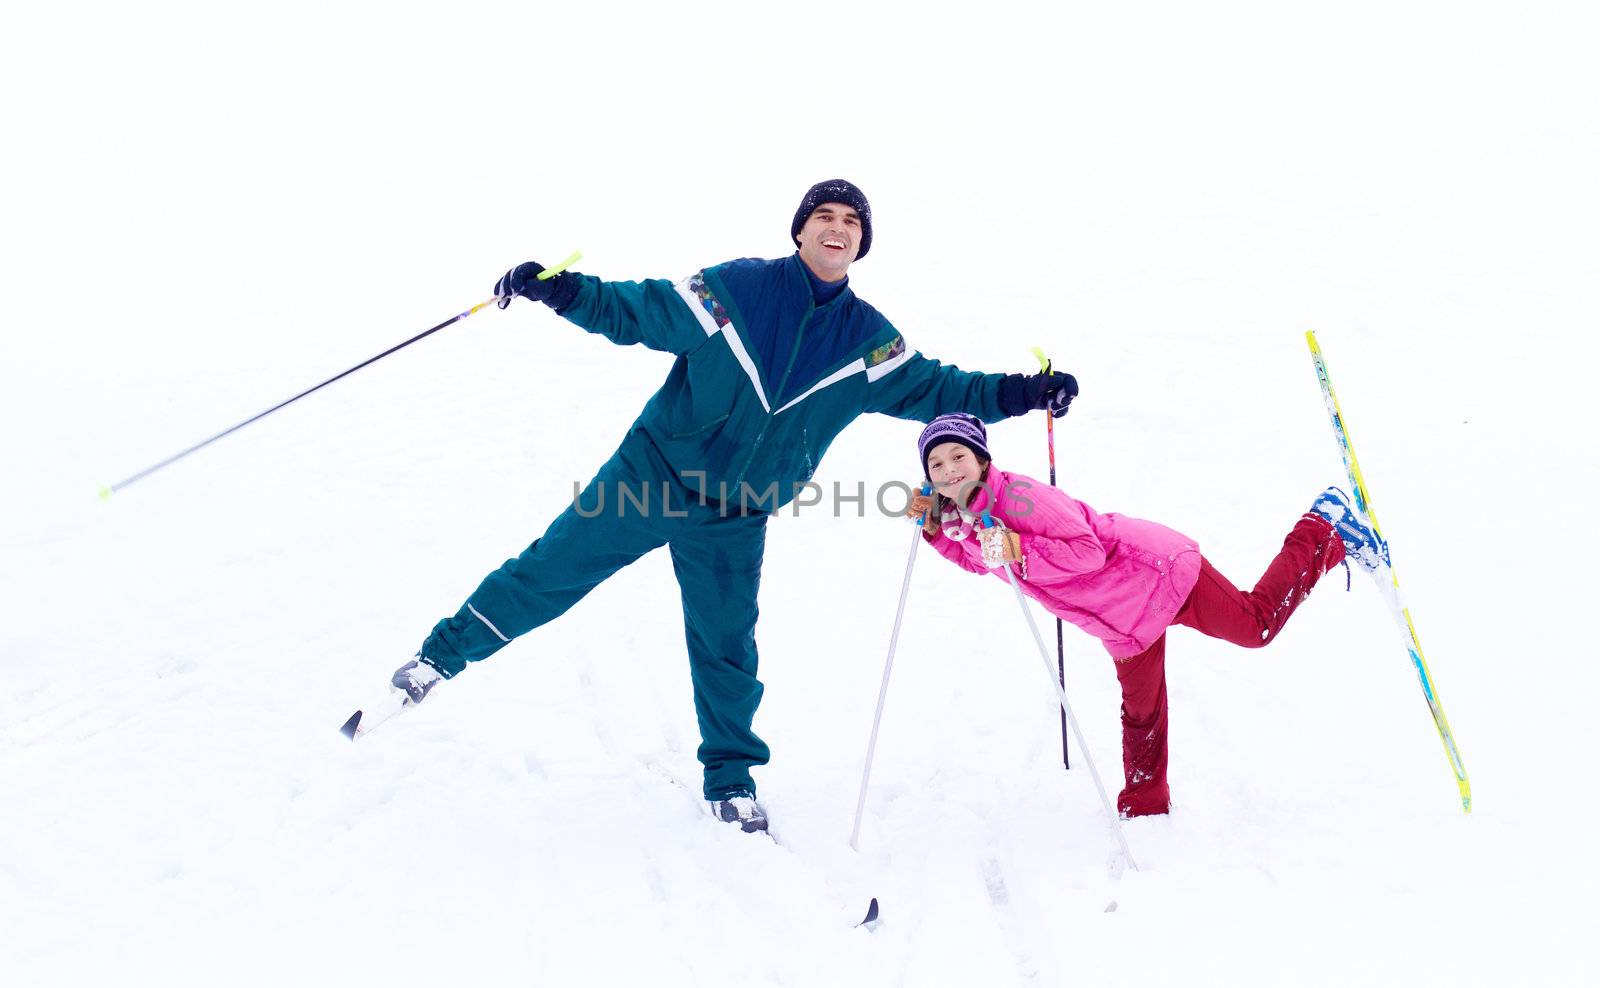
{"type": "Point", "coordinates": [572, 258]}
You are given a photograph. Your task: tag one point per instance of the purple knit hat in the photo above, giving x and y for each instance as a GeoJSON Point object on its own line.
{"type": "Point", "coordinates": [957, 427]}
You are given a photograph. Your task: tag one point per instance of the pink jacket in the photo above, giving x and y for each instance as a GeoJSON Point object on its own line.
{"type": "Point", "coordinates": [1120, 579]}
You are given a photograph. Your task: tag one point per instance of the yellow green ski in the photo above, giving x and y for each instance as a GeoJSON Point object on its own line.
{"type": "Point", "coordinates": [1390, 587]}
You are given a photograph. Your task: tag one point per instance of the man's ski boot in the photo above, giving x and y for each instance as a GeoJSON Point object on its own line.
{"type": "Point", "coordinates": [741, 808]}
{"type": "Point", "coordinates": [415, 679]}
{"type": "Point", "coordinates": [1362, 545]}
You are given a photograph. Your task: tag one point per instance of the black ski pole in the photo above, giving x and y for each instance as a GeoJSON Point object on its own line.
{"type": "Point", "coordinates": [1061, 647]}
{"type": "Point", "coordinates": [106, 492]}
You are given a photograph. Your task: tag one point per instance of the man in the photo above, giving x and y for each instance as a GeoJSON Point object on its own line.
{"type": "Point", "coordinates": [775, 358]}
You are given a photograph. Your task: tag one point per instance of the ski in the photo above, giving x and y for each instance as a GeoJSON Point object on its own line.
{"type": "Point", "coordinates": [868, 922]}
{"type": "Point", "coordinates": [871, 922]}
{"type": "Point", "coordinates": [367, 719]}
{"type": "Point", "coordinates": [1390, 588]}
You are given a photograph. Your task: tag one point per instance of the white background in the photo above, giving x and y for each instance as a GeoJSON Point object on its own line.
{"type": "Point", "coordinates": [210, 207]}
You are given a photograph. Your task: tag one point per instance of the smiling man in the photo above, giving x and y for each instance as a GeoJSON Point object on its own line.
{"type": "Point", "coordinates": [830, 239]}
{"type": "Point", "coordinates": [775, 358]}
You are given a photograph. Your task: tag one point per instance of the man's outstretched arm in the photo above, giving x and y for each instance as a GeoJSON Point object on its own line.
{"type": "Point", "coordinates": [651, 312]}
{"type": "Point", "coordinates": [919, 388]}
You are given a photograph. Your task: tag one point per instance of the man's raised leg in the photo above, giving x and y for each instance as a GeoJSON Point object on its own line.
{"type": "Point", "coordinates": [597, 535]}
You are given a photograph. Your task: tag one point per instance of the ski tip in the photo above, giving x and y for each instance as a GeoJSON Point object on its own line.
{"type": "Point", "coordinates": [872, 913]}
{"type": "Point", "coordinates": [351, 726]}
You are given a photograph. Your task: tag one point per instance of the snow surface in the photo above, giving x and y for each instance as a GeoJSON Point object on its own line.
{"type": "Point", "coordinates": [210, 207]}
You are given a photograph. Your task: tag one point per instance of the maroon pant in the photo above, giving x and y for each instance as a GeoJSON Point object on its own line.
{"type": "Point", "coordinates": [1217, 608]}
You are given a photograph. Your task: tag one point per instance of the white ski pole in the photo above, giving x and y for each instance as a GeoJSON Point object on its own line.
{"type": "Point", "coordinates": [1066, 708]}
{"type": "Point", "coordinates": [883, 690]}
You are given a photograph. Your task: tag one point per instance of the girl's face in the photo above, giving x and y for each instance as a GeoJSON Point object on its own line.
{"type": "Point", "coordinates": [951, 466]}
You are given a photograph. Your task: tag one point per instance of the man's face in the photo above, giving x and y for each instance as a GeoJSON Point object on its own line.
{"type": "Point", "coordinates": [830, 240]}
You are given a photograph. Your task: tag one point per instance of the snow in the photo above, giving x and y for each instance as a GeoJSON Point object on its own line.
{"type": "Point", "coordinates": [210, 208]}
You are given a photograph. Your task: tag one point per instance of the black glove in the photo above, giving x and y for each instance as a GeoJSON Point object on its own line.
{"type": "Point", "coordinates": [524, 280]}
{"type": "Point", "coordinates": [1023, 393]}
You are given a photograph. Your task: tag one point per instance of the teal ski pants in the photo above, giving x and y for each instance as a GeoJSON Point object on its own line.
{"type": "Point", "coordinates": [636, 503]}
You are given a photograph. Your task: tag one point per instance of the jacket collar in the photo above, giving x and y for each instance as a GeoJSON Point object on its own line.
{"type": "Point", "coordinates": [811, 281]}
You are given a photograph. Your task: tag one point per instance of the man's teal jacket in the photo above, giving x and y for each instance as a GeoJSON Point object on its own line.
{"type": "Point", "coordinates": [765, 377]}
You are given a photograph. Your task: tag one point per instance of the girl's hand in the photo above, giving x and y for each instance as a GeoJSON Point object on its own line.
{"type": "Point", "coordinates": [921, 504]}
{"type": "Point", "coordinates": [1000, 546]}
{"type": "Point", "coordinates": [925, 508]}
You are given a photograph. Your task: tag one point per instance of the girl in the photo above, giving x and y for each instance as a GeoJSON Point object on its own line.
{"type": "Point", "coordinates": [1121, 579]}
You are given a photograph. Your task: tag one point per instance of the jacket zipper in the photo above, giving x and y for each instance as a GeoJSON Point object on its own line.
{"type": "Point", "coordinates": [799, 335]}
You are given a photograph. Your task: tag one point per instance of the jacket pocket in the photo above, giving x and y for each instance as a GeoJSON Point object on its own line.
{"type": "Point", "coordinates": [714, 423]}
{"type": "Point", "coordinates": [1163, 602]}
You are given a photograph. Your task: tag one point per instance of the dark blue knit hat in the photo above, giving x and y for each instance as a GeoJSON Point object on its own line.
{"type": "Point", "coordinates": [835, 190]}
{"type": "Point", "coordinates": [956, 427]}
